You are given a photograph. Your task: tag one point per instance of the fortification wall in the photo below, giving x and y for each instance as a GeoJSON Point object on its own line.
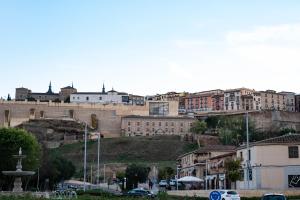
{"type": "Point", "coordinates": [272, 121]}
{"type": "Point", "coordinates": [13, 114]}
{"type": "Point", "coordinates": [107, 117]}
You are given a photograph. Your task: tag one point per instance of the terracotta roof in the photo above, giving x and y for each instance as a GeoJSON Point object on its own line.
{"type": "Point", "coordinates": [223, 155]}
{"type": "Point", "coordinates": [284, 139]}
{"type": "Point", "coordinates": [222, 148]}
{"type": "Point", "coordinates": [216, 148]}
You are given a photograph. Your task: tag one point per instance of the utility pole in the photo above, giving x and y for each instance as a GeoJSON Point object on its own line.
{"type": "Point", "coordinates": [104, 173]}
{"type": "Point", "coordinates": [248, 151]}
{"type": "Point", "coordinates": [98, 161]}
{"type": "Point", "coordinates": [206, 172]}
{"type": "Point", "coordinates": [91, 174]}
{"type": "Point", "coordinates": [84, 165]}
{"type": "Point", "coordinates": [177, 176]}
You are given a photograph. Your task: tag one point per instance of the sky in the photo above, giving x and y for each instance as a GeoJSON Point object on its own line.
{"type": "Point", "coordinates": [147, 47]}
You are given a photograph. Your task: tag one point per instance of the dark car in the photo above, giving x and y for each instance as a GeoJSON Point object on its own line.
{"type": "Point", "coordinates": [273, 197]}
{"type": "Point", "coordinates": [140, 192]}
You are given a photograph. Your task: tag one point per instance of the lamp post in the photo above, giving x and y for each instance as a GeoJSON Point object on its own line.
{"type": "Point", "coordinates": [98, 160]}
{"type": "Point", "coordinates": [176, 177]}
{"type": "Point", "coordinates": [38, 179]}
{"type": "Point", "coordinates": [248, 151]}
{"type": "Point", "coordinates": [206, 173]}
{"type": "Point", "coordinates": [84, 165]}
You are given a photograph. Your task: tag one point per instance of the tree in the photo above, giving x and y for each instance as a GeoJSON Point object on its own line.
{"type": "Point", "coordinates": [199, 127]}
{"type": "Point", "coordinates": [54, 169]}
{"type": "Point", "coordinates": [166, 173]}
{"type": "Point", "coordinates": [11, 139]}
{"type": "Point", "coordinates": [232, 130]}
{"type": "Point", "coordinates": [134, 174]}
{"type": "Point", "coordinates": [233, 170]}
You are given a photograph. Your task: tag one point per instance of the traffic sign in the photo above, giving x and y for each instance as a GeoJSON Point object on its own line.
{"type": "Point", "coordinates": [215, 195]}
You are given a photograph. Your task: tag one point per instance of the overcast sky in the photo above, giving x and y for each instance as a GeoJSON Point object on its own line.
{"type": "Point", "coordinates": [149, 46]}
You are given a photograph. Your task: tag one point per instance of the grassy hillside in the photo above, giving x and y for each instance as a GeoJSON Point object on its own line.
{"type": "Point", "coordinates": [162, 150]}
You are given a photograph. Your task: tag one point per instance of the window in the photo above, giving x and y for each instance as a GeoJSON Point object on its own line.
{"type": "Point", "coordinates": [128, 129]}
{"type": "Point", "coordinates": [153, 123]}
{"type": "Point", "coordinates": [87, 98]}
{"type": "Point", "coordinates": [147, 123]}
{"type": "Point", "coordinates": [166, 123]}
{"type": "Point", "coordinates": [100, 98]}
{"type": "Point", "coordinates": [293, 152]}
{"type": "Point", "coordinates": [137, 123]}
{"type": "Point", "coordinates": [128, 123]}
{"type": "Point", "coordinates": [241, 155]}
{"type": "Point", "coordinates": [159, 123]}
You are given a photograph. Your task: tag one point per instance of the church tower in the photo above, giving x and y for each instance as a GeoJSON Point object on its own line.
{"type": "Point", "coordinates": [50, 89]}
{"type": "Point", "coordinates": [103, 89]}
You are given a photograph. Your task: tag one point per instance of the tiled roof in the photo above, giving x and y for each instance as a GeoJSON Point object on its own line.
{"type": "Point", "coordinates": [222, 148]}
{"type": "Point", "coordinates": [216, 148]}
{"type": "Point", "coordinates": [284, 139]}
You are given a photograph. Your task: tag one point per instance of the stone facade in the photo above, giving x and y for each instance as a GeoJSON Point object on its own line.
{"type": "Point", "coordinates": [156, 125]}
{"type": "Point", "coordinates": [107, 117]}
{"type": "Point", "coordinates": [23, 94]}
{"type": "Point", "coordinates": [289, 100]}
{"type": "Point", "coordinates": [270, 100]}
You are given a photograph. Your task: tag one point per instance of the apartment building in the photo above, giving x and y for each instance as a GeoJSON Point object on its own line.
{"type": "Point", "coordinates": [289, 100]}
{"type": "Point", "coordinates": [204, 101]}
{"type": "Point", "coordinates": [270, 100]}
{"type": "Point", "coordinates": [297, 103]}
{"type": "Point", "coordinates": [207, 163]}
{"type": "Point", "coordinates": [238, 99]}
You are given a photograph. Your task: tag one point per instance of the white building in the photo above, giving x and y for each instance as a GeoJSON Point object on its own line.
{"type": "Point", "coordinates": [233, 98]}
{"type": "Point", "coordinates": [103, 97]}
{"type": "Point", "coordinates": [273, 164]}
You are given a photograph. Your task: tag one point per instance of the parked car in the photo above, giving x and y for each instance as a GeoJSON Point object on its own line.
{"type": "Point", "coordinates": [163, 183]}
{"type": "Point", "coordinates": [229, 195]}
{"type": "Point", "coordinates": [172, 182]}
{"type": "Point", "coordinates": [273, 196]}
{"type": "Point", "coordinates": [140, 192]}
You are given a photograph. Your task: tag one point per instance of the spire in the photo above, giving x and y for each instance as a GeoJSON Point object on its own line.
{"type": "Point", "coordinates": [8, 97]}
{"type": "Point", "coordinates": [103, 89]}
{"type": "Point", "coordinates": [50, 88]}
{"type": "Point", "coordinates": [72, 85]}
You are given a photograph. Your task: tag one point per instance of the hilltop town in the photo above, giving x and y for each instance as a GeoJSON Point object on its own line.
{"type": "Point", "coordinates": [58, 119]}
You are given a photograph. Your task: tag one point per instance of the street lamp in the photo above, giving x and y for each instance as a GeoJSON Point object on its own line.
{"type": "Point", "coordinates": [177, 176]}
{"type": "Point", "coordinates": [248, 151]}
{"type": "Point", "coordinates": [98, 160]}
{"type": "Point", "coordinates": [84, 165]}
